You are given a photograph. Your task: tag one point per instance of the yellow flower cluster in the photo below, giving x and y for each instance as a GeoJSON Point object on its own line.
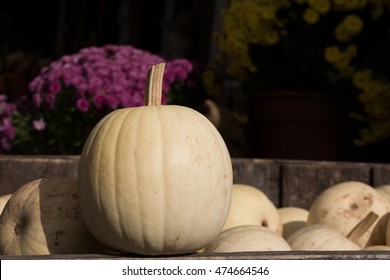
{"type": "Point", "coordinates": [210, 82]}
{"type": "Point", "coordinates": [255, 22]}
{"type": "Point", "coordinates": [341, 59]}
{"type": "Point", "coordinates": [265, 23]}
{"type": "Point", "coordinates": [244, 23]}
{"type": "Point", "coordinates": [375, 96]}
{"type": "Point", "coordinates": [349, 27]}
{"type": "Point", "coordinates": [315, 9]}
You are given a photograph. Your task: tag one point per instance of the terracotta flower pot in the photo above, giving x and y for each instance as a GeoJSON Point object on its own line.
{"type": "Point", "coordinates": [299, 125]}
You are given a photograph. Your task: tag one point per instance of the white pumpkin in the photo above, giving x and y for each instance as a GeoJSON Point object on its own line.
{"type": "Point", "coordinates": [251, 206]}
{"type": "Point", "coordinates": [292, 218]}
{"type": "Point", "coordinates": [3, 201]}
{"type": "Point", "coordinates": [344, 205]}
{"type": "Point", "coordinates": [384, 190]}
{"type": "Point", "coordinates": [320, 237]}
{"type": "Point", "coordinates": [155, 179]}
{"type": "Point", "coordinates": [43, 217]}
{"type": "Point", "coordinates": [247, 238]}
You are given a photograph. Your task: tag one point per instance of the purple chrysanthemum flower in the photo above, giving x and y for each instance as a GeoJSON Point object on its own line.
{"type": "Point", "coordinates": [7, 130]}
{"type": "Point", "coordinates": [113, 73]}
{"type": "Point", "coordinates": [82, 105]}
{"type": "Point", "coordinates": [82, 87]}
{"type": "Point", "coordinates": [39, 125]}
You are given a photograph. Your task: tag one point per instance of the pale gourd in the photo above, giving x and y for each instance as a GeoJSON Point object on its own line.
{"type": "Point", "coordinates": [247, 238]}
{"type": "Point", "coordinates": [292, 218]}
{"type": "Point", "coordinates": [3, 201]}
{"type": "Point", "coordinates": [155, 179]}
{"type": "Point", "coordinates": [344, 205]}
{"type": "Point", "coordinates": [384, 190]}
{"type": "Point", "coordinates": [251, 206]}
{"type": "Point", "coordinates": [43, 217]}
{"type": "Point", "coordinates": [320, 237]}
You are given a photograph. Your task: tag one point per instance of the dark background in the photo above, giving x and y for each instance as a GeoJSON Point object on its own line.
{"type": "Point", "coordinates": [53, 28]}
{"type": "Point", "coordinates": [36, 32]}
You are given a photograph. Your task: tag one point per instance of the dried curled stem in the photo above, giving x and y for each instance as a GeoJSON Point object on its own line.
{"type": "Point", "coordinates": [362, 227]}
{"type": "Point", "coordinates": [154, 81]}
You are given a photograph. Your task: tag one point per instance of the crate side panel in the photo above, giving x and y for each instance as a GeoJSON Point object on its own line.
{"type": "Point", "coordinates": [302, 182]}
{"type": "Point", "coordinates": [16, 171]}
{"type": "Point", "coordinates": [380, 175]}
{"type": "Point", "coordinates": [262, 174]}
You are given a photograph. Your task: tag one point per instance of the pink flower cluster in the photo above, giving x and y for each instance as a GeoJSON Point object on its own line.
{"type": "Point", "coordinates": [7, 130]}
{"type": "Point", "coordinates": [105, 77]}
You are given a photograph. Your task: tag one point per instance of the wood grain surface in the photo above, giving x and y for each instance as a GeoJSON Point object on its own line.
{"type": "Point", "coordinates": [266, 255]}
{"type": "Point", "coordinates": [285, 182]}
{"type": "Point", "coordinates": [16, 171]}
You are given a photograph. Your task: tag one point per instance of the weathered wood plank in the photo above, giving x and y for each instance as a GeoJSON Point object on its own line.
{"type": "Point", "coordinates": [16, 171]}
{"type": "Point", "coordinates": [262, 174]}
{"type": "Point", "coordinates": [285, 182]}
{"type": "Point", "coordinates": [266, 255]}
{"type": "Point", "coordinates": [303, 181]}
{"type": "Point", "coordinates": [380, 175]}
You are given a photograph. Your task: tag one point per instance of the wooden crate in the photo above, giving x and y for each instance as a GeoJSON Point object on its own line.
{"type": "Point", "coordinates": [286, 182]}
{"type": "Point", "coordinates": [264, 255]}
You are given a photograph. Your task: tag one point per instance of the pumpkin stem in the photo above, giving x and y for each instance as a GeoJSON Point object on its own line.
{"type": "Point", "coordinates": [362, 227]}
{"type": "Point", "coordinates": [153, 89]}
